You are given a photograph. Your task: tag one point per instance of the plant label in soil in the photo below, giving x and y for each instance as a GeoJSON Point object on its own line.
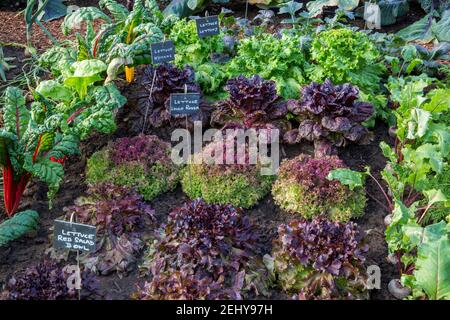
{"type": "Point", "coordinates": [372, 15]}
{"type": "Point", "coordinates": [208, 26]}
{"type": "Point", "coordinates": [184, 103]}
{"type": "Point", "coordinates": [74, 236]}
{"type": "Point", "coordinates": [163, 52]}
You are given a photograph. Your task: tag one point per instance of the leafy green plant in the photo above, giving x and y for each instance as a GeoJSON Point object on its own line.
{"type": "Point", "coordinates": [31, 145]}
{"type": "Point", "coordinates": [423, 253]}
{"type": "Point", "coordinates": [15, 227]}
{"type": "Point", "coordinates": [330, 116]}
{"type": "Point", "coordinates": [240, 184]}
{"type": "Point", "coordinates": [343, 55]}
{"type": "Point", "coordinates": [123, 221]}
{"type": "Point", "coordinates": [141, 162]}
{"type": "Point", "coordinates": [205, 252]}
{"type": "Point", "coordinates": [124, 40]}
{"type": "Point", "coordinates": [428, 28]}
{"type": "Point", "coordinates": [302, 188]}
{"type": "Point", "coordinates": [282, 59]}
{"type": "Point", "coordinates": [316, 7]}
{"type": "Point", "coordinates": [32, 14]}
{"type": "Point", "coordinates": [319, 259]}
{"type": "Point", "coordinates": [4, 64]}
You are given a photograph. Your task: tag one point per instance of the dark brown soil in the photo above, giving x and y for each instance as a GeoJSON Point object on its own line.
{"type": "Point", "coordinates": [30, 249]}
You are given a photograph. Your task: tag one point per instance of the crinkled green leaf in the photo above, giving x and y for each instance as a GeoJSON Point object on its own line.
{"type": "Point", "coordinates": [350, 178]}
{"type": "Point", "coordinates": [54, 90]}
{"type": "Point", "coordinates": [15, 113]}
{"type": "Point", "coordinates": [20, 224]}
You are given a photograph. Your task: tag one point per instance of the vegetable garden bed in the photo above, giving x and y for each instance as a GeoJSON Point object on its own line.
{"type": "Point", "coordinates": [389, 114]}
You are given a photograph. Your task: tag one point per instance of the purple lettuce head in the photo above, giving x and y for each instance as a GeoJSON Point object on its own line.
{"type": "Point", "coordinates": [47, 281]}
{"type": "Point", "coordinates": [320, 259]}
{"type": "Point", "coordinates": [328, 113]}
{"type": "Point", "coordinates": [253, 103]}
{"type": "Point", "coordinates": [121, 217]}
{"type": "Point", "coordinates": [204, 251]}
{"type": "Point", "coordinates": [155, 91]}
{"type": "Point", "coordinates": [147, 149]}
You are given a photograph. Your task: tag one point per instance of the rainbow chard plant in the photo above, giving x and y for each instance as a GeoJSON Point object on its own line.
{"type": "Point", "coordinates": [319, 259]}
{"type": "Point", "coordinates": [123, 42]}
{"type": "Point", "coordinates": [31, 145]}
{"type": "Point", "coordinates": [252, 103]}
{"type": "Point", "coordinates": [330, 116]}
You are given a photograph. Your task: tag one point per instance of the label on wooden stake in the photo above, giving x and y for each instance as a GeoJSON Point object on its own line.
{"type": "Point", "coordinates": [372, 15]}
{"type": "Point", "coordinates": [208, 26]}
{"type": "Point", "coordinates": [74, 236]}
{"type": "Point", "coordinates": [162, 52]}
{"type": "Point", "coordinates": [184, 103]}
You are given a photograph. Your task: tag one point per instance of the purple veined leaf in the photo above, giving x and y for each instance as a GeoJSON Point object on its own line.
{"type": "Point", "coordinates": [338, 124]}
{"type": "Point", "coordinates": [292, 136]}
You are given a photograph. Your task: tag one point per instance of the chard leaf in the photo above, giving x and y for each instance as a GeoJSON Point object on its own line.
{"type": "Point", "coordinates": [435, 196]}
{"type": "Point", "coordinates": [84, 14]}
{"type": "Point", "coordinates": [54, 90]}
{"type": "Point", "coordinates": [433, 268]}
{"type": "Point", "coordinates": [67, 146]}
{"type": "Point", "coordinates": [348, 177]}
{"type": "Point", "coordinates": [6, 138]}
{"type": "Point", "coordinates": [15, 114]}
{"type": "Point", "coordinates": [117, 10]}
{"type": "Point", "coordinates": [20, 224]}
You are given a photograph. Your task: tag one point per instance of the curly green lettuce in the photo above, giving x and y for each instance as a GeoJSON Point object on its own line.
{"type": "Point", "coordinates": [241, 185]}
{"type": "Point", "coordinates": [344, 55]}
{"type": "Point", "coordinates": [142, 162]}
{"type": "Point", "coordinates": [302, 187]}
{"type": "Point", "coordinates": [278, 58]}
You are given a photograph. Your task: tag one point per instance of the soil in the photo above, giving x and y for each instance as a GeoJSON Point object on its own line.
{"type": "Point", "coordinates": [31, 248]}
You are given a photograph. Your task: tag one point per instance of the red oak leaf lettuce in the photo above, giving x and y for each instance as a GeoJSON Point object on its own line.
{"type": "Point", "coordinates": [204, 252]}
{"type": "Point", "coordinates": [47, 281]}
{"type": "Point", "coordinates": [121, 218]}
{"type": "Point", "coordinates": [320, 259]}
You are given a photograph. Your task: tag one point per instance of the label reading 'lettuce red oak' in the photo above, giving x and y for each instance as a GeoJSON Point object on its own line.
{"type": "Point", "coordinates": [208, 26]}
{"type": "Point", "coordinates": [184, 103]}
{"type": "Point", "coordinates": [162, 52]}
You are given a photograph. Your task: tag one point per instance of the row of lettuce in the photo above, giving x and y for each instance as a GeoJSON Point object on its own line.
{"type": "Point", "coordinates": [208, 248]}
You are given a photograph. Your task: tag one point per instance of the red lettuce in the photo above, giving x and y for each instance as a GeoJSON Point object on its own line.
{"type": "Point", "coordinates": [320, 259]}
{"type": "Point", "coordinates": [47, 281]}
{"type": "Point", "coordinates": [169, 79]}
{"type": "Point", "coordinates": [330, 116]}
{"type": "Point", "coordinates": [252, 103]}
{"type": "Point", "coordinates": [121, 218]}
{"type": "Point", "coordinates": [204, 252]}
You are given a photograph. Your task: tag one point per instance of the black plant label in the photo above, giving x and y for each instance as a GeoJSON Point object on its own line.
{"type": "Point", "coordinates": [208, 26]}
{"type": "Point", "coordinates": [162, 52]}
{"type": "Point", "coordinates": [184, 103]}
{"type": "Point", "coordinates": [74, 236]}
